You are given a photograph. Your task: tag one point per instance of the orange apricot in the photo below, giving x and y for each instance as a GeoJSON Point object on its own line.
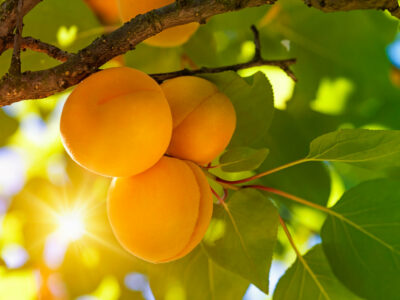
{"type": "Point", "coordinates": [163, 213]}
{"type": "Point", "coordinates": [204, 119]}
{"type": "Point", "coordinates": [170, 37]}
{"type": "Point", "coordinates": [107, 11]}
{"type": "Point", "coordinates": [116, 122]}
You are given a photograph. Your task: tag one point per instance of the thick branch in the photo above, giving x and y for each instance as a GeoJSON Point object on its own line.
{"type": "Point", "coordinates": [8, 14]}
{"type": "Point", "coordinates": [40, 84]}
{"type": "Point", "coordinates": [37, 46]}
{"type": "Point", "coordinates": [344, 5]}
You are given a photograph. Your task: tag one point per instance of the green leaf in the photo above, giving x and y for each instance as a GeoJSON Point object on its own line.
{"type": "Point", "coordinates": [362, 242]}
{"type": "Point", "coordinates": [195, 277]}
{"type": "Point", "coordinates": [254, 104]}
{"type": "Point", "coordinates": [242, 159]}
{"type": "Point", "coordinates": [316, 281]}
{"type": "Point", "coordinates": [8, 126]}
{"type": "Point", "coordinates": [288, 142]}
{"type": "Point", "coordinates": [327, 51]}
{"type": "Point", "coordinates": [242, 236]}
{"type": "Point", "coordinates": [376, 149]}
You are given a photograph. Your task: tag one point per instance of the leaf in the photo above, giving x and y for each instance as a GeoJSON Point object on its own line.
{"type": "Point", "coordinates": [245, 238]}
{"type": "Point", "coordinates": [297, 283]}
{"type": "Point", "coordinates": [8, 126]}
{"type": "Point", "coordinates": [327, 50]}
{"type": "Point", "coordinates": [376, 149]}
{"type": "Point", "coordinates": [253, 100]}
{"type": "Point", "coordinates": [287, 142]}
{"type": "Point", "coordinates": [242, 159]}
{"type": "Point", "coordinates": [195, 277]}
{"type": "Point", "coordinates": [362, 242]}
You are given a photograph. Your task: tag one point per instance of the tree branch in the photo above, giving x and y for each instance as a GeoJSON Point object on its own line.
{"type": "Point", "coordinates": [345, 5]}
{"type": "Point", "coordinates": [8, 14]}
{"type": "Point", "coordinates": [255, 62]}
{"type": "Point", "coordinates": [76, 67]}
{"type": "Point", "coordinates": [40, 84]}
{"type": "Point", "coordinates": [37, 46]}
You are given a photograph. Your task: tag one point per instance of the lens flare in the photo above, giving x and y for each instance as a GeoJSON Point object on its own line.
{"type": "Point", "coordinates": [71, 226]}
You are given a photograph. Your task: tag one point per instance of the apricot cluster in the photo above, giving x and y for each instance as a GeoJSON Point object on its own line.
{"type": "Point", "coordinates": [120, 123]}
{"type": "Point", "coordinates": [170, 37]}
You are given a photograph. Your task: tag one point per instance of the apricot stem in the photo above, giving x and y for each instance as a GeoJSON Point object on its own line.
{"type": "Point", "coordinates": [257, 176]}
{"type": "Point", "coordinates": [221, 199]}
{"type": "Point", "coordinates": [292, 197]}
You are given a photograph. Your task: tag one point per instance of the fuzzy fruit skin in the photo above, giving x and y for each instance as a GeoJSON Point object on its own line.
{"type": "Point", "coordinates": [163, 213]}
{"type": "Point", "coordinates": [116, 122]}
{"type": "Point", "coordinates": [204, 119]}
{"type": "Point", "coordinates": [170, 37]}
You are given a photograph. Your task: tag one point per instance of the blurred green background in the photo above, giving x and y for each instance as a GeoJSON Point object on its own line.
{"type": "Point", "coordinates": [55, 240]}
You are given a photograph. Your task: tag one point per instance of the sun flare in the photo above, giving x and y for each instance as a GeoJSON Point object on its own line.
{"type": "Point", "coordinates": [71, 226]}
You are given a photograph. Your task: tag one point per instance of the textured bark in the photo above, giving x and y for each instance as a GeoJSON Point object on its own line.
{"type": "Point", "coordinates": [345, 5]}
{"type": "Point", "coordinates": [8, 14]}
{"type": "Point", "coordinates": [40, 84]}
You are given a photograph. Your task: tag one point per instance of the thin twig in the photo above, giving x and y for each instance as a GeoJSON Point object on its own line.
{"type": "Point", "coordinates": [257, 43]}
{"type": "Point", "coordinates": [256, 61]}
{"type": "Point", "coordinates": [221, 199]}
{"type": "Point", "coordinates": [37, 46]}
{"type": "Point", "coordinates": [283, 64]}
{"type": "Point", "coordinates": [15, 67]}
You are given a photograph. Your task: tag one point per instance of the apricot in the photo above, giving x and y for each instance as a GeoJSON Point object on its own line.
{"type": "Point", "coordinates": [204, 119]}
{"type": "Point", "coordinates": [163, 213]}
{"type": "Point", "coordinates": [107, 11]}
{"type": "Point", "coordinates": [170, 37]}
{"type": "Point", "coordinates": [116, 122]}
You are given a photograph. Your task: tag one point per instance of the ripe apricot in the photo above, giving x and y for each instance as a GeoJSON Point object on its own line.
{"type": "Point", "coordinates": [107, 11]}
{"type": "Point", "coordinates": [163, 213]}
{"type": "Point", "coordinates": [170, 37]}
{"type": "Point", "coordinates": [204, 119]}
{"type": "Point", "coordinates": [116, 122]}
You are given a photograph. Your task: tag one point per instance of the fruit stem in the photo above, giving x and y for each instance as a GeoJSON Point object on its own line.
{"type": "Point", "coordinates": [221, 199]}
{"type": "Point", "coordinates": [257, 176]}
{"type": "Point", "coordinates": [291, 197]}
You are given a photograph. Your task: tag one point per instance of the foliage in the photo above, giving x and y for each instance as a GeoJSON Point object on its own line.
{"type": "Point", "coordinates": [330, 142]}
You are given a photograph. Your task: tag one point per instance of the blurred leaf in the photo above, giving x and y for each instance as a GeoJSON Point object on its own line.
{"type": "Point", "coordinates": [231, 30]}
{"type": "Point", "coordinates": [195, 277]}
{"type": "Point", "coordinates": [242, 159]}
{"type": "Point", "coordinates": [288, 142]}
{"type": "Point", "coordinates": [248, 236]}
{"type": "Point", "coordinates": [253, 100]}
{"type": "Point", "coordinates": [21, 285]}
{"type": "Point", "coordinates": [202, 47]}
{"type": "Point", "coordinates": [326, 49]}
{"type": "Point", "coordinates": [162, 59]}
{"type": "Point", "coordinates": [361, 239]}
{"type": "Point", "coordinates": [375, 149]}
{"type": "Point", "coordinates": [297, 283]}
{"type": "Point", "coordinates": [8, 126]}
